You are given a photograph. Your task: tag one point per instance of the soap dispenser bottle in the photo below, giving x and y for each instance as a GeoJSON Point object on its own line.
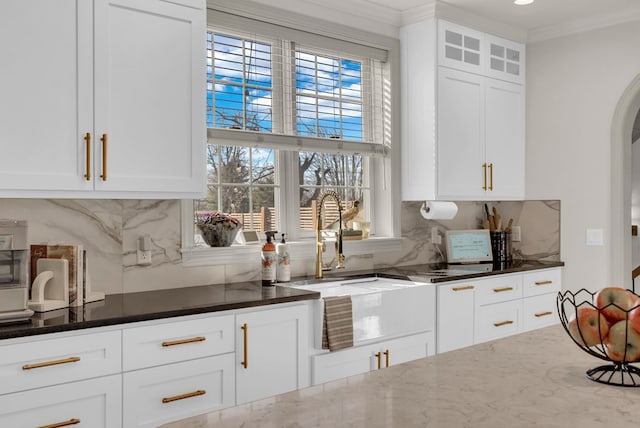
{"type": "Point", "coordinates": [283, 273]}
{"type": "Point", "coordinates": [269, 260]}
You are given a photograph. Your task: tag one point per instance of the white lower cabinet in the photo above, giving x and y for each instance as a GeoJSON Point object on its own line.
{"type": "Point", "coordinates": [352, 361]}
{"type": "Point", "coordinates": [272, 348]}
{"type": "Point", "coordinates": [94, 403]}
{"type": "Point", "coordinates": [455, 315]}
{"type": "Point", "coordinates": [498, 320]}
{"type": "Point", "coordinates": [167, 393]}
{"type": "Point", "coordinates": [475, 311]}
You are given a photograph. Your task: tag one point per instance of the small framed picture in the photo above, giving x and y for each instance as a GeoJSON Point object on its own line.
{"type": "Point", "coordinates": [6, 242]}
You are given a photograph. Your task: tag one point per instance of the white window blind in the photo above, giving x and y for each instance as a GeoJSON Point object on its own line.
{"type": "Point", "coordinates": [284, 88]}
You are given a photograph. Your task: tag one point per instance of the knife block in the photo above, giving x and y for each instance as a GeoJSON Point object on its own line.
{"type": "Point", "coordinates": [50, 289]}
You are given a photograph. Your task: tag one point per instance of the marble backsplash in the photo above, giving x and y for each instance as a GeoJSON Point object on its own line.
{"type": "Point", "coordinates": [108, 230]}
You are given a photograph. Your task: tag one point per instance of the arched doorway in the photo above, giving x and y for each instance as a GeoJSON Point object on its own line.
{"type": "Point", "coordinates": [621, 128]}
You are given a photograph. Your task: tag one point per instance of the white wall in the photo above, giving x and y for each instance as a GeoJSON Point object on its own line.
{"type": "Point", "coordinates": [573, 86]}
{"type": "Point", "coordinates": [635, 201]}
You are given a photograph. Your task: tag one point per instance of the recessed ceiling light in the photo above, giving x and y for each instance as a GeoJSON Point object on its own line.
{"type": "Point", "coordinates": [523, 2]}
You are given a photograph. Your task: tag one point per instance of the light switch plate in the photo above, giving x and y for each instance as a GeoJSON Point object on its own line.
{"type": "Point", "coordinates": [595, 237]}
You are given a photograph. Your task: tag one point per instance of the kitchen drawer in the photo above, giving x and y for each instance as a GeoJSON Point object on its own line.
{"type": "Point", "coordinates": [539, 311]}
{"type": "Point", "coordinates": [167, 393]}
{"type": "Point", "coordinates": [172, 342]}
{"type": "Point", "coordinates": [499, 288]}
{"type": "Point", "coordinates": [498, 320]}
{"type": "Point", "coordinates": [46, 362]}
{"type": "Point", "coordinates": [340, 364]}
{"type": "Point", "coordinates": [542, 282]}
{"type": "Point", "coordinates": [94, 403]}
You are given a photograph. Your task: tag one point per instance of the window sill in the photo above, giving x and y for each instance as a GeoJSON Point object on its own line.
{"type": "Point", "coordinates": [207, 256]}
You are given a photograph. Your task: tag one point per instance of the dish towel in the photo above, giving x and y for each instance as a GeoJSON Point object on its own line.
{"type": "Point", "coordinates": [337, 323]}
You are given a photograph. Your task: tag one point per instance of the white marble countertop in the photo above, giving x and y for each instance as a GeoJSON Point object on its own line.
{"type": "Point", "coordinates": [534, 379]}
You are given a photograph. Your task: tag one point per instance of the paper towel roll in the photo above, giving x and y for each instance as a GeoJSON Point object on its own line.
{"type": "Point", "coordinates": [438, 210]}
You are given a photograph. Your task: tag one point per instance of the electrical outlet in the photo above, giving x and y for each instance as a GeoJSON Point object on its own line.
{"type": "Point", "coordinates": [435, 236]}
{"type": "Point", "coordinates": [143, 252]}
{"type": "Point", "coordinates": [516, 234]}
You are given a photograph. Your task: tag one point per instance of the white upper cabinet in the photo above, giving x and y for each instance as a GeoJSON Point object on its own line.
{"type": "Point", "coordinates": [505, 59]}
{"type": "Point", "coordinates": [46, 104]}
{"type": "Point", "coordinates": [462, 125]}
{"type": "Point", "coordinates": [461, 48]}
{"type": "Point", "coordinates": [106, 99]}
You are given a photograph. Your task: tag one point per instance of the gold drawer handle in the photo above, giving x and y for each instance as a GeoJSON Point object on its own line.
{"type": "Point", "coordinates": [543, 282]}
{"type": "Point", "coordinates": [500, 290]}
{"type": "Point", "coordinates": [73, 421]}
{"type": "Point", "coordinates": [87, 140]}
{"type": "Point", "coordinates": [104, 140]}
{"type": "Point", "coordinates": [183, 341]}
{"type": "Point", "coordinates": [50, 363]}
{"type": "Point", "coordinates": [500, 324]}
{"type": "Point", "coordinates": [379, 357]}
{"type": "Point", "coordinates": [464, 287]}
{"type": "Point", "coordinates": [183, 396]}
{"type": "Point", "coordinates": [245, 329]}
{"type": "Point", "coordinates": [491, 176]}
{"type": "Point", "coordinates": [484, 176]}
{"type": "Point", "coordinates": [386, 358]}
{"type": "Point", "coordinates": [543, 314]}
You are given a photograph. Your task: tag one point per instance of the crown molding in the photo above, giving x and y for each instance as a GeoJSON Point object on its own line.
{"type": "Point", "coordinates": [583, 25]}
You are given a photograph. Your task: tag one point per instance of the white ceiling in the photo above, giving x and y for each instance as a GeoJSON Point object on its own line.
{"type": "Point", "coordinates": [541, 13]}
{"type": "Point", "coordinates": [541, 20]}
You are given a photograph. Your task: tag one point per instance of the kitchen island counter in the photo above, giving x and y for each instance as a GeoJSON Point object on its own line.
{"type": "Point", "coordinates": [534, 379]}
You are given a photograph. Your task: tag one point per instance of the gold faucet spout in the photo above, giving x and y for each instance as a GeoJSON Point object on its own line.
{"type": "Point", "coordinates": [320, 245]}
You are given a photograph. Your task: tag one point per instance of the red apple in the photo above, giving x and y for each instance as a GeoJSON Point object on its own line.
{"type": "Point", "coordinates": [614, 302]}
{"type": "Point", "coordinates": [589, 327]}
{"type": "Point", "coordinates": [623, 342]}
{"type": "Point", "coordinates": [634, 316]}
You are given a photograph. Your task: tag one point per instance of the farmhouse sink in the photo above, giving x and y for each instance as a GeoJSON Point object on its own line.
{"type": "Point", "coordinates": [382, 307]}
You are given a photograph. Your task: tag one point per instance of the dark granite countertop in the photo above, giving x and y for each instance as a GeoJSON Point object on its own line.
{"type": "Point", "coordinates": [149, 305]}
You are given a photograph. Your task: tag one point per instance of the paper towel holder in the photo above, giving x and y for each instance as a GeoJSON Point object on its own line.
{"type": "Point", "coordinates": [426, 208]}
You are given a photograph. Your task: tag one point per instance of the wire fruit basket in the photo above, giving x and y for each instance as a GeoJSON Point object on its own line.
{"type": "Point", "coordinates": [605, 324]}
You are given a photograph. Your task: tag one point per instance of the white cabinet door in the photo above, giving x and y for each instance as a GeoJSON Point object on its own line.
{"type": "Point", "coordinates": [272, 348]}
{"type": "Point", "coordinates": [505, 139]}
{"type": "Point", "coordinates": [460, 134]}
{"type": "Point", "coordinates": [149, 96]}
{"type": "Point", "coordinates": [346, 362]}
{"type": "Point", "coordinates": [398, 351]}
{"type": "Point", "coordinates": [95, 403]}
{"type": "Point", "coordinates": [498, 320]}
{"type": "Point", "coordinates": [505, 59]}
{"type": "Point", "coordinates": [176, 391]}
{"type": "Point", "coordinates": [55, 360]}
{"type": "Point", "coordinates": [455, 315]}
{"type": "Point", "coordinates": [460, 47]}
{"type": "Point", "coordinates": [47, 100]}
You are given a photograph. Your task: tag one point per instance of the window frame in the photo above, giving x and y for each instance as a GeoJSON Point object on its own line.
{"type": "Point", "coordinates": [383, 162]}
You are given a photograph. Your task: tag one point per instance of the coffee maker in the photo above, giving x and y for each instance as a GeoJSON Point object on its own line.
{"type": "Point", "coordinates": [14, 276]}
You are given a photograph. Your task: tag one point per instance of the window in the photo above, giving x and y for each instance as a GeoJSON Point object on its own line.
{"type": "Point", "coordinates": [291, 115]}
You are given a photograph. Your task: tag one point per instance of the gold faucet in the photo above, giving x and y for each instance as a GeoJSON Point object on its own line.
{"type": "Point", "coordinates": [320, 245]}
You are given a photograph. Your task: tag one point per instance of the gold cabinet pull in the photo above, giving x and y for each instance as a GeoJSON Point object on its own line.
{"type": "Point", "coordinates": [379, 357]}
{"type": "Point", "coordinates": [464, 287]}
{"type": "Point", "coordinates": [386, 358]}
{"type": "Point", "coordinates": [183, 341]}
{"type": "Point", "coordinates": [484, 176]}
{"type": "Point", "coordinates": [183, 396]}
{"type": "Point", "coordinates": [245, 329]}
{"type": "Point", "coordinates": [50, 363]}
{"type": "Point", "coordinates": [87, 141]}
{"type": "Point", "coordinates": [543, 282]}
{"type": "Point", "coordinates": [491, 176]}
{"type": "Point", "coordinates": [500, 290]}
{"type": "Point", "coordinates": [500, 324]}
{"type": "Point", "coordinates": [543, 314]}
{"type": "Point", "coordinates": [104, 139]}
{"type": "Point", "coordinates": [73, 421]}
